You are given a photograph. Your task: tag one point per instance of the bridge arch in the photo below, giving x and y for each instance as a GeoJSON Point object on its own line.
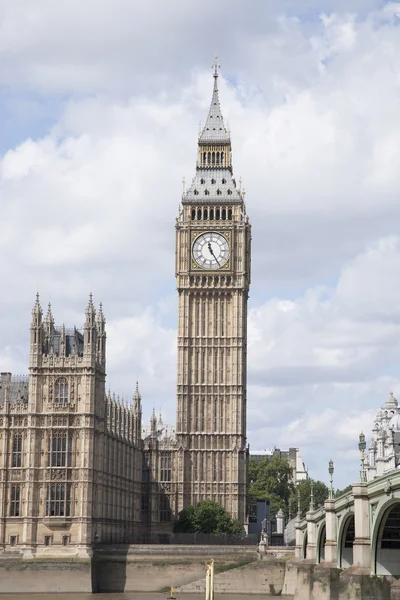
{"type": "Point", "coordinates": [345, 543]}
{"type": "Point", "coordinates": [385, 538]}
{"type": "Point", "coordinates": [321, 539]}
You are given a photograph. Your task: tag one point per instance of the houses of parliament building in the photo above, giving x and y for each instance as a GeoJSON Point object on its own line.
{"type": "Point", "coordinates": [77, 466]}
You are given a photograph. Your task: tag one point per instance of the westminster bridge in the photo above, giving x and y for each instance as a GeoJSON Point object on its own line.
{"type": "Point", "coordinates": [350, 547]}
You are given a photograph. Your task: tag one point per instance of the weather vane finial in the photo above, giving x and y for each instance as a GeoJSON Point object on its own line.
{"type": "Point", "coordinates": [216, 66]}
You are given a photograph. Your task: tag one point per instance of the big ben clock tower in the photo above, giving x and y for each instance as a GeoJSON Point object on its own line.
{"type": "Point", "coordinates": [213, 278]}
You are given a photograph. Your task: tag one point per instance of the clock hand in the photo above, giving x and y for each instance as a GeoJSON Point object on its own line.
{"type": "Point", "coordinates": [212, 252]}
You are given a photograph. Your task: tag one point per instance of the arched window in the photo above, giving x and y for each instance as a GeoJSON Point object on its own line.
{"type": "Point", "coordinates": [222, 158]}
{"type": "Point", "coordinates": [59, 449]}
{"type": "Point", "coordinates": [219, 192]}
{"type": "Point", "coordinates": [209, 158]}
{"type": "Point", "coordinates": [223, 214]}
{"type": "Point", "coordinates": [230, 214]}
{"type": "Point", "coordinates": [217, 158]}
{"type": "Point", "coordinates": [204, 158]}
{"type": "Point", "coordinates": [213, 158]}
{"type": "Point", "coordinates": [17, 450]}
{"type": "Point", "coordinates": [213, 181]}
{"type": "Point", "coordinates": [229, 192]}
{"type": "Point", "coordinates": [217, 212]}
{"type": "Point", "coordinates": [195, 192]}
{"type": "Point", "coordinates": [61, 391]}
{"type": "Point", "coordinates": [202, 181]}
{"type": "Point", "coordinates": [206, 193]}
{"type": "Point", "coordinates": [193, 214]}
{"type": "Point", "coordinates": [224, 180]}
{"type": "Point", "coordinates": [211, 214]}
{"type": "Point", "coordinates": [199, 214]}
{"type": "Point", "coordinates": [205, 215]}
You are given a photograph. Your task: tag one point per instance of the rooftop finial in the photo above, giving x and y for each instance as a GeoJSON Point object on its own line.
{"type": "Point", "coordinates": [216, 66]}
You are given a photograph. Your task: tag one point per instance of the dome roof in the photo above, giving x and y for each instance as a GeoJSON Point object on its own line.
{"type": "Point", "coordinates": [395, 422]}
{"type": "Point", "coordinates": [391, 402]}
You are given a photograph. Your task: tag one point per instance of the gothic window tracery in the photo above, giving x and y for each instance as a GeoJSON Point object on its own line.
{"type": "Point", "coordinates": [17, 450]}
{"type": "Point", "coordinates": [15, 501]}
{"type": "Point", "coordinates": [165, 467]}
{"type": "Point", "coordinates": [61, 391]}
{"type": "Point", "coordinates": [59, 451]}
{"type": "Point", "coordinates": [58, 503]}
{"type": "Point", "coordinates": [165, 509]}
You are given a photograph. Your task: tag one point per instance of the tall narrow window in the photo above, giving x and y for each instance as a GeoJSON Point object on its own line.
{"type": "Point", "coordinates": [203, 317]}
{"type": "Point", "coordinates": [217, 158]}
{"type": "Point", "coordinates": [222, 158]}
{"type": "Point", "coordinates": [166, 467]}
{"type": "Point", "coordinates": [165, 509]}
{"type": "Point", "coordinates": [209, 158]}
{"type": "Point", "coordinates": [15, 500]}
{"type": "Point", "coordinates": [199, 214]}
{"type": "Point", "coordinates": [196, 414]}
{"type": "Point", "coordinates": [202, 466]}
{"type": "Point", "coordinates": [213, 158]}
{"type": "Point", "coordinates": [222, 367]}
{"type": "Point", "coordinates": [215, 409]}
{"type": "Point", "coordinates": [144, 508]}
{"type": "Point", "coordinates": [195, 469]}
{"type": "Point", "coordinates": [220, 477]}
{"type": "Point", "coordinates": [197, 317]}
{"type": "Point", "coordinates": [193, 214]}
{"type": "Point", "coordinates": [215, 466]}
{"type": "Point", "coordinates": [222, 318]}
{"type": "Point", "coordinates": [216, 318]}
{"type": "Point", "coordinates": [224, 214]}
{"type": "Point", "coordinates": [221, 416]}
{"type": "Point", "coordinates": [217, 214]}
{"type": "Point", "coordinates": [205, 214]}
{"type": "Point", "coordinates": [59, 449]}
{"type": "Point", "coordinates": [215, 365]}
{"type": "Point", "coordinates": [204, 159]}
{"type": "Point", "coordinates": [17, 450]}
{"type": "Point", "coordinates": [58, 500]}
{"type": "Point", "coordinates": [61, 391]}
{"type": "Point", "coordinates": [211, 214]}
{"type": "Point", "coordinates": [203, 366]}
{"type": "Point", "coordinates": [230, 214]}
{"type": "Point", "coordinates": [202, 414]}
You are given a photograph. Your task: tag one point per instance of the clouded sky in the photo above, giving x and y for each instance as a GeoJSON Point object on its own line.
{"type": "Point", "coordinates": [100, 104]}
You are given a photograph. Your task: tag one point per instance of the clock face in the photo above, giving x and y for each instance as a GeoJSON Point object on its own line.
{"type": "Point", "coordinates": [211, 250]}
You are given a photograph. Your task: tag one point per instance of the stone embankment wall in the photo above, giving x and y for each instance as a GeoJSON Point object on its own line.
{"type": "Point", "coordinates": [238, 569]}
{"type": "Point", "coordinates": [44, 575]}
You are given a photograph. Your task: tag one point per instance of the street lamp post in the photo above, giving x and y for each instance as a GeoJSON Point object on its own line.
{"type": "Point", "coordinates": [361, 446]}
{"type": "Point", "coordinates": [331, 471]}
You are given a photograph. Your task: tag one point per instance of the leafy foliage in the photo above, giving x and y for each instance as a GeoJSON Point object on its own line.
{"type": "Point", "coordinates": [271, 479]}
{"type": "Point", "coordinates": [343, 491]}
{"type": "Point", "coordinates": [321, 493]}
{"type": "Point", "coordinates": [206, 517]}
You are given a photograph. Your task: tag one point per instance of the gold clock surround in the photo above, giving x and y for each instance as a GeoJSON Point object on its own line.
{"type": "Point", "coordinates": [197, 267]}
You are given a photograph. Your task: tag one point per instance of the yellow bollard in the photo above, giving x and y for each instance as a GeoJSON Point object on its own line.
{"type": "Point", "coordinates": [171, 596]}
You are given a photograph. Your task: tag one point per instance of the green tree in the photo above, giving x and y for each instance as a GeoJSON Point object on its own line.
{"type": "Point", "coordinates": [343, 491]}
{"type": "Point", "coordinates": [271, 479]}
{"type": "Point", "coordinates": [206, 517]}
{"type": "Point", "coordinates": [321, 493]}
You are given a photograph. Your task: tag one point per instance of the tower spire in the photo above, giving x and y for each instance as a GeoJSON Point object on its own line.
{"type": "Point", "coordinates": [214, 129]}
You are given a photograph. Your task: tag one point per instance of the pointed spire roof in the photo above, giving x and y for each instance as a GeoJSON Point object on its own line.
{"type": "Point", "coordinates": [37, 309]}
{"type": "Point", "coordinates": [49, 315]}
{"type": "Point", "coordinates": [214, 129]}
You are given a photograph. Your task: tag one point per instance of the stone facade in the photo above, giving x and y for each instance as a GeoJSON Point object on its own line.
{"type": "Point", "coordinates": [76, 465]}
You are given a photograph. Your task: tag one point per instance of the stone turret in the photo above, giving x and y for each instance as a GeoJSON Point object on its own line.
{"type": "Point", "coordinates": [101, 336]}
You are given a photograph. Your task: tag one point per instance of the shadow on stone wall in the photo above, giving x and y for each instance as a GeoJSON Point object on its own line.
{"type": "Point", "coordinates": [109, 572]}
